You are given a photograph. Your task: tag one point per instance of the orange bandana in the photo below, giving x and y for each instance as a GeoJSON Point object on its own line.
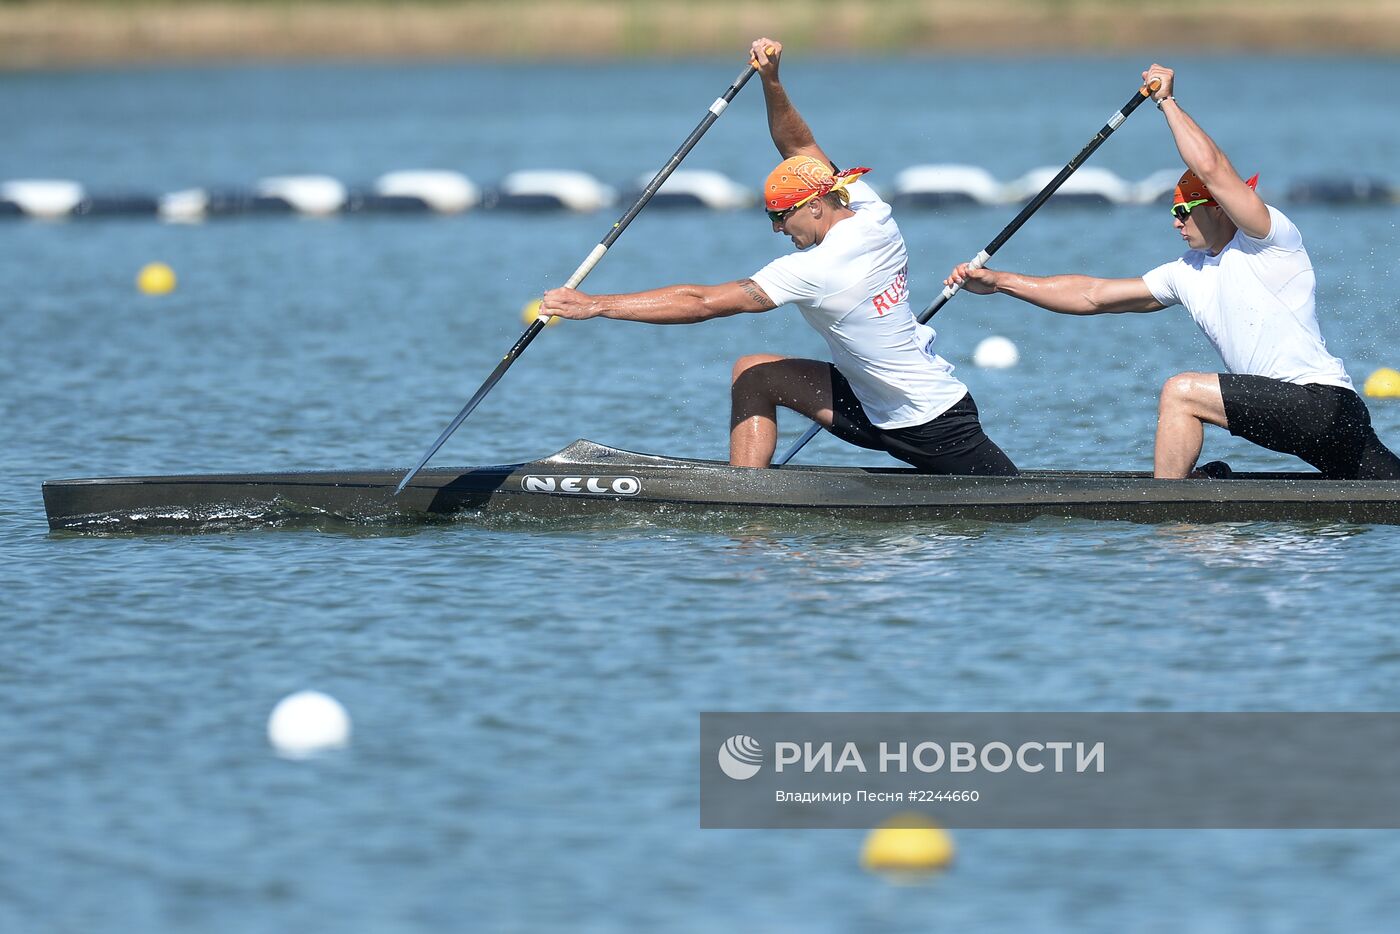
{"type": "Point", "coordinates": [799, 179]}
{"type": "Point", "coordinates": [1192, 189]}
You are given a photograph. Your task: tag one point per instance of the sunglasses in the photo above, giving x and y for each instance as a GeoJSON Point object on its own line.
{"type": "Point", "coordinates": [777, 217]}
{"type": "Point", "coordinates": [1183, 211]}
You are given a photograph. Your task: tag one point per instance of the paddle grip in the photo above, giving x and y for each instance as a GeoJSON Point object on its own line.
{"type": "Point", "coordinates": [753, 62]}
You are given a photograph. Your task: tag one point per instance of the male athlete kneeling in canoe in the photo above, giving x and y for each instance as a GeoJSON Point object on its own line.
{"type": "Point", "coordinates": [1248, 283]}
{"type": "Point", "coordinates": [886, 388]}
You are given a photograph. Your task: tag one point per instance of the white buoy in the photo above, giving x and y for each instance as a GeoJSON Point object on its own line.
{"type": "Point", "coordinates": [701, 187]}
{"type": "Point", "coordinates": [946, 184]}
{"type": "Point", "coordinates": [1091, 184]}
{"type": "Point", "coordinates": [317, 195]}
{"type": "Point", "coordinates": [306, 723]}
{"type": "Point", "coordinates": [996, 353]}
{"type": "Point", "coordinates": [185, 206]}
{"type": "Point", "coordinates": [573, 191]}
{"type": "Point", "coordinates": [443, 191]}
{"type": "Point", "coordinates": [43, 197]}
{"type": "Point", "coordinates": [1156, 187]}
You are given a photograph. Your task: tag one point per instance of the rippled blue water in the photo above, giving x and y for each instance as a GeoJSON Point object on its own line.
{"type": "Point", "coordinates": [526, 697]}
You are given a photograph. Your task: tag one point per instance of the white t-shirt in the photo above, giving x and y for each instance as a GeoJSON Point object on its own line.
{"type": "Point", "coordinates": [1254, 300]}
{"type": "Point", "coordinates": [853, 289]}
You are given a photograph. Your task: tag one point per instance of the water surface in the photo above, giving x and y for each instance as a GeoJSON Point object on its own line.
{"type": "Point", "coordinates": [526, 695]}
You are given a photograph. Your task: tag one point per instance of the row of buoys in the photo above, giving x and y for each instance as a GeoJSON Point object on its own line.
{"type": "Point", "coordinates": [419, 191]}
{"type": "Point", "coordinates": [448, 192]}
{"type": "Point", "coordinates": [938, 185]}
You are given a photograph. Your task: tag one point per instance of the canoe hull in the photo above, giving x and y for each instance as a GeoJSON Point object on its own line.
{"type": "Point", "coordinates": [587, 479]}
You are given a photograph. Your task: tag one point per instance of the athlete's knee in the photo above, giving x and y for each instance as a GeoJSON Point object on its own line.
{"type": "Point", "coordinates": [750, 367]}
{"type": "Point", "coordinates": [1184, 392]}
{"type": "Point", "coordinates": [752, 379]}
{"type": "Point", "coordinates": [1174, 392]}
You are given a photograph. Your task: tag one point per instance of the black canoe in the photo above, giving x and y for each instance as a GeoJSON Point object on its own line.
{"type": "Point", "coordinates": [591, 479]}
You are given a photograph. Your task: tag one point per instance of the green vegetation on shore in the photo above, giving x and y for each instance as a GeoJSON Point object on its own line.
{"type": "Point", "coordinates": [47, 33]}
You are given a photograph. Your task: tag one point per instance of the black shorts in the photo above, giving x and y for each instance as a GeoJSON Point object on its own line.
{"type": "Point", "coordinates": [1327, 426]}
{"type": "Point", "coordinates": [952, 443]}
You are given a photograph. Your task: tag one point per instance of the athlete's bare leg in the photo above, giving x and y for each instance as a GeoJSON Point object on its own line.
{"type": "Point", "coordinates": [761, 383]}
{"type": "Point", "coordinates": [1189, 401]}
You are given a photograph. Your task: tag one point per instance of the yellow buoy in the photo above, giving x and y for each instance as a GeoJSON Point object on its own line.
{"type": "Point", "coordinates": [530, 312]}
{"type": "Point", "coordinates": [156, 279]}
{"type": "Point", "coordinates": [907, 843]}
{"type": "Point", "coordinates": [1383, 384]}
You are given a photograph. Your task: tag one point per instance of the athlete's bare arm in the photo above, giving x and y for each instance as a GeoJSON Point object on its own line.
{"type": "Point", "coordinates": [1206, 159]}
{"type": "Point", "coordinates": [790, 132]}
{"type": "Point", "coordinates": [1068, 295]}
{"type": "Point", "coordinates": [673, 304]}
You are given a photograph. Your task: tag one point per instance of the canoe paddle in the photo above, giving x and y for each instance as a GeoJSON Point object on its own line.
{"type": "Point", "coordinates": [1031, 207]}
{"type": "Point", "coordinates": [536, 326]}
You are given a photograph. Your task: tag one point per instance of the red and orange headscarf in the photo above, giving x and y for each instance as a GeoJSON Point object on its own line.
{"type": "Point", "coordinates": [799, 179]}
{"type": "Point", "coordinates": [1192, 190]}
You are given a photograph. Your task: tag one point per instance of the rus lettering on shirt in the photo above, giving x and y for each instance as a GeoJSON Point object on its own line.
{"type": "Point", "coordinates": [896, 292]}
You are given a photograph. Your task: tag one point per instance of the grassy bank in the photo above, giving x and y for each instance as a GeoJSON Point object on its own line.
{"type": "Point", "coordinates": [47, 33]}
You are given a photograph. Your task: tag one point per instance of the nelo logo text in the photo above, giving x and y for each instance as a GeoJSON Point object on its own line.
{"type": "Point", "coordinates": [606, 486]}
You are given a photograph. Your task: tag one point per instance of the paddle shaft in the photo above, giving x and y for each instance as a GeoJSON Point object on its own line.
{"type": "Point", "coordinates": [1031, 207]}
{"type": "Point", "coordinates": [713, 114]}
{"type": "Point", "coordinates": [1050, 188]}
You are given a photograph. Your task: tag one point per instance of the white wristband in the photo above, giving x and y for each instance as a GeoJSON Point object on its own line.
{"type": "Point", "coordinates": [1164, 100]}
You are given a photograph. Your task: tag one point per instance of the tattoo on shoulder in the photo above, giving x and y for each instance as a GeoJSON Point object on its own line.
{"type": "Point", "coordinates": [751, 288]}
